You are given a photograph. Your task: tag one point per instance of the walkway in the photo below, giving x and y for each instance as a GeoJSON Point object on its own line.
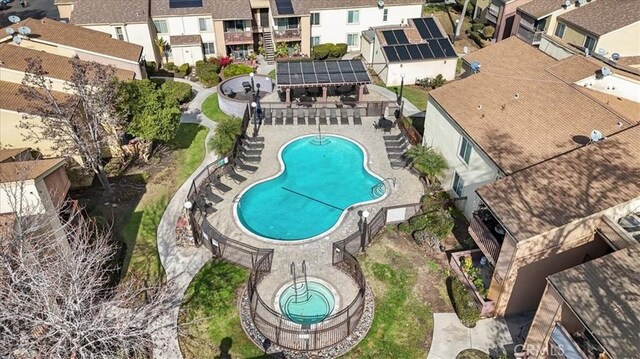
{"type": "Point", "coordinates": [450, 337]}
{"type": "Point", "coordinates": [180, 264]}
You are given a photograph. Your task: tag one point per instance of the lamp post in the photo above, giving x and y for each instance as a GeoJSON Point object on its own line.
{"type": "Point", "coordinates": [401, 99]}
{"type": "Point", "coordinates": [253, 87]}
{"type": "Point", "coordinates": [365, 230]}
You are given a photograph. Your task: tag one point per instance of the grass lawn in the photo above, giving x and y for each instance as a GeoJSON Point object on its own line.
{"type": "Point", "coordinates": [408, 287]}
{"type": "Point", "coordinates": [139, 231]}
{"type": "Point", "coordinates": [211, 109]}
{"type": "Point", "coordinates": [211, 314]}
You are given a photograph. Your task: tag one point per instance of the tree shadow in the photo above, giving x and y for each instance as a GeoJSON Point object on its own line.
{"type": "Point", "coordinates": [225, 347]}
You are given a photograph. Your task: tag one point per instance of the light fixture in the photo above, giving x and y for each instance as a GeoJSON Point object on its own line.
{"type": "Point", "coordinates": [254, 104]}
{"type": "Point", "coordinates": [188, 205]}
{"type": "Point", "coordinates": [365, 214]}
{"type": "Point", "coordinates": [251, 74]}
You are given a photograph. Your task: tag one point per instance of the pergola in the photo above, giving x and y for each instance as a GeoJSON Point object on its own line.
{"type": "Point", "coordinates": [321, 74]}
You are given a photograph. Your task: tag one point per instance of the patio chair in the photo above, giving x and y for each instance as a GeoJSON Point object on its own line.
{"type": "Point", "coordinates": [288, 117]}
{"type": "Point", "coordinates": [210, 196]}
{"type": "Point", "coordinates": [244, 167]}
{"type": "Point", "coordinates": [396, 156]}
{"type": "Point", "coordinates": [357, 120]}
{"type": "Point", "coordinates": [395, 144]}
{"type": "Point", "coordinates": [393, 138]}
{"type": "Point", "coordinates": [344, 116]}
{"type": "Point", "coordinates": [400, 149]}
{"type": "Point", "coordinates": [322, 116]}
{"type": "Point", "coordinates": [311, 120]}
{"type": "Point", "coordinates": [201, 203]}
{"type": "Point", "coordinates": [233, 175]}
{"type": "Point", "coordinates": [221, 187]}
{"type": "Point", "coordinates": [248, 144]}
{"type": "Point", "coordinates": [253, 140]}
{"type": "Point", "coordinates": [278, 116]}
{"type": "Point", "coordinates": [252, 158]}
{"type": "Point", "coordinates": [401, 163]}
{"type": "Point", "coordinates": [302, 117]}
{"type": "Point", "coordinates": [333, 119]}
{"type": "Point", "coordinates": [267, 117]}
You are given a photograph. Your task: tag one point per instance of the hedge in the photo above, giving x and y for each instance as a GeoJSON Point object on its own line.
{"type": "Point", "coordinates": [329, 51]}
{"type": "Point", "coordinates": [178, 90]}
{"type": "Point", "coordinates": [236, 69]}
{"type": "Point", "coordinates": [183, 70]}
{"type": "Point", "coordinates": [465, 306]}
{"type": "Point", "coordinates": [207, 74]}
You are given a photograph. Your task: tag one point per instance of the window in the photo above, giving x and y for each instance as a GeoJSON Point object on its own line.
{"type": "Point", "coordinates": [315, 40]}
{"type": "Point", "coordinates": [161, 26]}
{"type": "Point", "coordinates": [234, 26]}
{"type": "Point", "coordinates": [458, 184]}
{"type": "Point", "coordinates": [590, 43]}
{"type": "Point", "coordinates": [208, 48]}
{"type": "Point", "coordinates": [119, 33]}
{"type": "Point", "coordinates": [353, 17]}
{"type": "Point", "coordinates": [287, 23]}
{"type": "Point", "coordinates": [385, 14]}
{"type": "Point", "coordinates": [465, 150]}
{"type": "Point", "coordinates": [204, 24]}
{"type": "Point", "coordinates": [238, 51]}
{"type": "Point", "coordinates": [560, 30]}
{"type": "Point", "coordinates": [352, 39]}
{"type": "Point", "coordinates": [315, 18]}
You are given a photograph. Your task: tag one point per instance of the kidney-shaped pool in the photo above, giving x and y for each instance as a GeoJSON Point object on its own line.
{"type": "Point", "coordinates": [321, 177]}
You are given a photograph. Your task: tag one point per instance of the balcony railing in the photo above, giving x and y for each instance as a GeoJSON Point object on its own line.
{"type": "Point", "coordinates": [287, 34]}
{"type": "Point", "coordinates": [240, 37]}
{"type": "Point", "coordinates": [485, 239]}
{"type": "Point", "coordinates": [531, 36]}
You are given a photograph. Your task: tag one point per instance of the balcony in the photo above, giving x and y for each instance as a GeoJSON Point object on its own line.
{"type": "Point", "coordinates": [292, 34]}
{"type": "Point", "coordinates": [487, 233]}
{"type": "Point", "coordinates": [531, 36]}
{"type": "Point", "coordinates": [238, 37]}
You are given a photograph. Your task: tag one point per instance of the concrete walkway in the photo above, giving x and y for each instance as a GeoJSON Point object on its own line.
{"type": "Point", "coordinates": [450, 337]}
{"type": "Point", "coordinates": [180, 264]}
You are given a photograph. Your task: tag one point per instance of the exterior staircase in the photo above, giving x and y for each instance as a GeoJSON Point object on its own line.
{"type": "Point", "coordinates": [269, 47]}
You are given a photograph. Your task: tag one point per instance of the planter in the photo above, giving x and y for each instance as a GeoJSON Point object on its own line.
{"type": "Point", "coordinates": [487, 306]}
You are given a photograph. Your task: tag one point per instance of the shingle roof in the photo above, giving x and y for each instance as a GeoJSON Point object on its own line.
{"type": "Point", "coordinates": [604, 16]}
{"type": "Point", "coordinates": [541, 8]}
{"type": "Point", "coordinates": [185, 40]}
{"type": "Point", "coordinates": [303, 7]}
{"type": "Point", "coordinates": [605, 294]}
{"type": "Point", "coordinates": [110, 12]}
{"type": "Point", "coordinates": [59, 67]}
{"type": "Point", "coordinates": [27, 170]}
{"type": "Point", "coordinates": [9, 153]}
{"type": "Point", "coordinates": [227, 9]}
{"type": "Point", "coordinates": [12, 100]}
{"type": "Point", "coordinates": [570, 187]}
{"type": "Point", "coordinates": [80, 38]}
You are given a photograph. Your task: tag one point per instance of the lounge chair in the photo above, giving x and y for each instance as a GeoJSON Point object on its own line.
{"type": "Point", "coordinates": [322, 116]}
{"type": "Point", "coordinates": [221, 187]}
{"type": "Point", "coordinates": [288, 119]}
{"type": "Point", "coordinates": [244, 167]}
{"type": "Point", "coordinates": [395, 144]}
{"type": "Point", "coordinates": [201, 203]}
{"type": "Point", "coordinates": [267, 120]}
{"type": "Point", "coordinates": [393, 150]}
{"type": "Point", "coordinates": [396, 156]}
{"type": "Point", "coordinates": [278, 116]}
{"type": "Point", "coordinates": [302, 117]}
{"type": "Point", "coordinates": [252, 145]}
{"type": "Point", "coordinates": [357, 120]}
{"type": "Point", "coordinates": [210, 196]}
{"type": "Point", "coordinates": [344, 116]}
{"type": "Point", "coordinates": [401, 163]}
{"type": "Point", "coordinates": [252, 140]}
{"type": "Point", "coordinates": [311, 120]}
{"type": "Point", "coordinates": [250, 152]}
{"type": "Point", "coordinates": [333, 119]}
{"type": "Point", "coordinates": [236, 177]}
{"type": "Point", "coordinates": [393, 138]}
{"type": "Point", "coordinates": [249, 158]}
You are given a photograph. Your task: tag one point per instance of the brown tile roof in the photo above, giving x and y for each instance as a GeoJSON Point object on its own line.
{"type": "Point", "coordinates": [573, 186]}
{"type": "Point", "coordinates": [15, 58]}
{"type": "Point", "coordinates": [605, 294]}
{"type": "Point", "coordinates": [505, 109]}
{"type": "Point", "coordinates": [7, 155]}
{"type": "Point", "coordinates": [185, 40]}
{"type": "Point", "coordinates": [541, 8]}
{"type": "Point", "coordinates": [12, 100]}
{"type": "Point", "coordinates": [110, 12]}
{"type": "Point", "coordinates": [27, 170]}
{"type": "Point", "coordinates": [80, 38]}
{"type": "Point", "coordinates": [303, 7]}
{"type": "Point", "coordinates": [625, 108]}
{"type": "Point", "coordinates": [630, 60]}
{"type": "Point", "coordinates": [604, 16]}
{"type": "Point", "coordinates": [218, 9]}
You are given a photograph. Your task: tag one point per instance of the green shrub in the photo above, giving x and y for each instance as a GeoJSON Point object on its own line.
{"type": "Point", "coordinates": [226, 132]}
{"type": "Point", "coordinates": [183, 70]}
{"type": "Point", "coordinates": [465, 306]}
{"type": "Point", "coordinates": [339, 50]}
{"type": "Point", "coordinates": [178, 90]}
{"type": "Point", "coordinates": [170, 66]}
{"type": "Point", "coordinates": [488, 31]}
{"type": "Point", "coordinates": [477, 38]}
{"type": "Point", "coordinates": [199, 63]}
{"type": "Point", "coordinates": [150, 67]}
{"type": "Point", "coordinates": [322, 51]}
{"type": "Point", "coordinates": [236, 69]}
{"type": "Point", "coordinates": [437, 223]}
{"type": "Point", "coordinates": [477, 26]}
{"type": "Point", "coordinates": [208, 74]}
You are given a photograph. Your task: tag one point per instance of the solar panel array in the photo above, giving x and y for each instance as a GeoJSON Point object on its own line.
{"type": "Point", "coordinates": [285, 7]}
{"type": "Point", "coordinates": [394, 37]}
{"type": "Point", "coordinates": [321, 72]}
{"type": "Point", "coordinates": [437, 46]}
{"type": "Point", "coordinates": [176, 4]}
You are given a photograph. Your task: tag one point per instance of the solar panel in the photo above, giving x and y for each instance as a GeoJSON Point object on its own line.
{"type": "Point", "coordinates": [389, 37]}
{"type": "Point", "coordinates": [401, 37]}
{"type": "Point", "coordinates": [403, 54]}
{"type": "Point", "coordinates": [296, 79]}
{"type": "Point", "coordinates": [422, 28]}
{"type": "Point", "coordinates": [309, 77]}
{"type": "Point", "coordinates": [433, 28]}
{"type": "Point", "coordinates": [390, 51]}
{"type": "Point", "coordinates": [284, 7]}
{"type": "Point", "coordinates": [447, 48]}
{"type": "Point", "coordinates": [295, 68]}
{"type": "Point", "coordinates": [414, 52]}
{"type": "Point", "coordinates": [308, 67]}
{"type": "Point", "coordinates": [435, 48]}
{"type": "Point", "coordinates": [357, 66]}
{"type": "Point", "coordinates": [344, 66]}
{"type": "Point", "coordinates": [175, 4]}
{"type": "Point", "coordinates": [349, 76]}
{"type": "Point", "coordinates": [283, 79]}
{"type": "Point", "coordinates": [426, 52]}
{"type": "Point", "coordinates": [362, 77]}
{"type": "Point", "coordinates": [321, 72]}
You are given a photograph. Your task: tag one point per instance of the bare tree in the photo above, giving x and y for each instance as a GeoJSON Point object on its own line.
{"type": "Point", "coordinates": [84, 121]}
{"type": "Point", "coordinates": [55, 295]}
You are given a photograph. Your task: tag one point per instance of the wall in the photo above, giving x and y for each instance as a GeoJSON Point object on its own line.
{"type": "Point", "coordinates": [140, 34]}
{"type": "Point", "coordinates": [333, 26]}
{"type": "Point", "coordinates": [12, 136]}
{"type": "Point", "coordinates": [190, 25]}
{"type": "Point", "coordinates": [623, 41]}
{"type": "Point", "coordinates": [66, 52]}
{"type": "Point", "coordinates": [27, 190]}
{"type": "Point", "coordinates": [507, 10]}
{"type": "Point", "coordinates": [119, 63]}
{"type": "Point", "coordinates": [614, 85]}
{"type": "Point", "coordinates": [187, 54]}
{"type": "Point", "coordinates": [574, 35]}
{"type": "Point", "coordinates": [552, 49]}
{"type": "Point", "coordinates": [57, 184]}
{"type": "Point", "coordinates": [418, 70]}
{"type": "Point", "coordinates": [441, 133]}
{"type": "Point", "coordinates": [218, 27]}
{"type": "Point", "coordinates": [17, 76]}
{"type": "Point", "coordinates": [305, 34]}
{"type": "Point", "coordinates": [366, 49]}
{"type": "Point", "coordinates": [233, 107]}
{"type": "Point", "coordinates": [65, 10]}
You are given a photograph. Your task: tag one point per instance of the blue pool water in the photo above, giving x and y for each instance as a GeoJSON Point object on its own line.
{"type": "Point", "coordinates": [307, 306]}
{"type": "Point", "coordinates": [319, 182]}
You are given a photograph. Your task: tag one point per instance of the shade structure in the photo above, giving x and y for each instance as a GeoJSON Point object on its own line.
{"type": "Point", "coordinates": [291, 74]}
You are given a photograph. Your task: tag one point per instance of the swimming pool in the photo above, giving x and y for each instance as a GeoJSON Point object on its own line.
{"type": "Point", "coordinates": [307, 303]}
{"type": "Point", "coordinates": [320, 179]}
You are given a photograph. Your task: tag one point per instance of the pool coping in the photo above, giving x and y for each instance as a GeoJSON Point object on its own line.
{"type": "Point", "coordinates": [337, 300]}
{"type": "Point", "coordinates": [340, 220]}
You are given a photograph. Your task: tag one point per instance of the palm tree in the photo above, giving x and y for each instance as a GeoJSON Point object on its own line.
{"type": "Point", "coordinates": [162, 45]}
{"type": "Point", "coordinates": [427, 161]}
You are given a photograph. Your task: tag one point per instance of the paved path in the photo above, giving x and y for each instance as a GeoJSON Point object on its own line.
{"type": "Point", "coordinates": [450, 337]}
{"type": "Point", "coordinates": [180, 264]}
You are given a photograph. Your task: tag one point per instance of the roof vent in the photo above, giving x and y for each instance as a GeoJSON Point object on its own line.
{"type": "Point", "coordinates": [602, 51]}
{"type": "Point", "coordinates": [596, 136]}
{"type": "Point", "coordinates": [567, 3]}
{"type": "Point", "coordinates": [615, 56]}
{"type": "Point", "coordinates": [582, 2]}
{"type": "Point", "coordinates": [14, 19]}
{"type": "Point", "coordinates": [475, 67]}
{"type": "Point", "coordinates": [381, 3]}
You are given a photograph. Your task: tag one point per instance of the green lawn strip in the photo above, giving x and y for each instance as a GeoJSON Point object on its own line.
{"type": "Point", "coordinates": [139, 231]}
{"type": "Point", "coordinates": [209, 317]}
{"type": "Point", "coordinates": [401, 319]}
{"type": "Point", "coordinates": [211, 109]}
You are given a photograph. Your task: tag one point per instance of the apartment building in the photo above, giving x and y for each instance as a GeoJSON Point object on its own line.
{"type": "Point", "coordinates": [605, 27]}
{"type": "Point", "coordinates": [501, 14]}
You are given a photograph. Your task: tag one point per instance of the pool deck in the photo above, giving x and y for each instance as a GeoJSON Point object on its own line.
{"type": "Point", "coordinates": [316, 252]}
